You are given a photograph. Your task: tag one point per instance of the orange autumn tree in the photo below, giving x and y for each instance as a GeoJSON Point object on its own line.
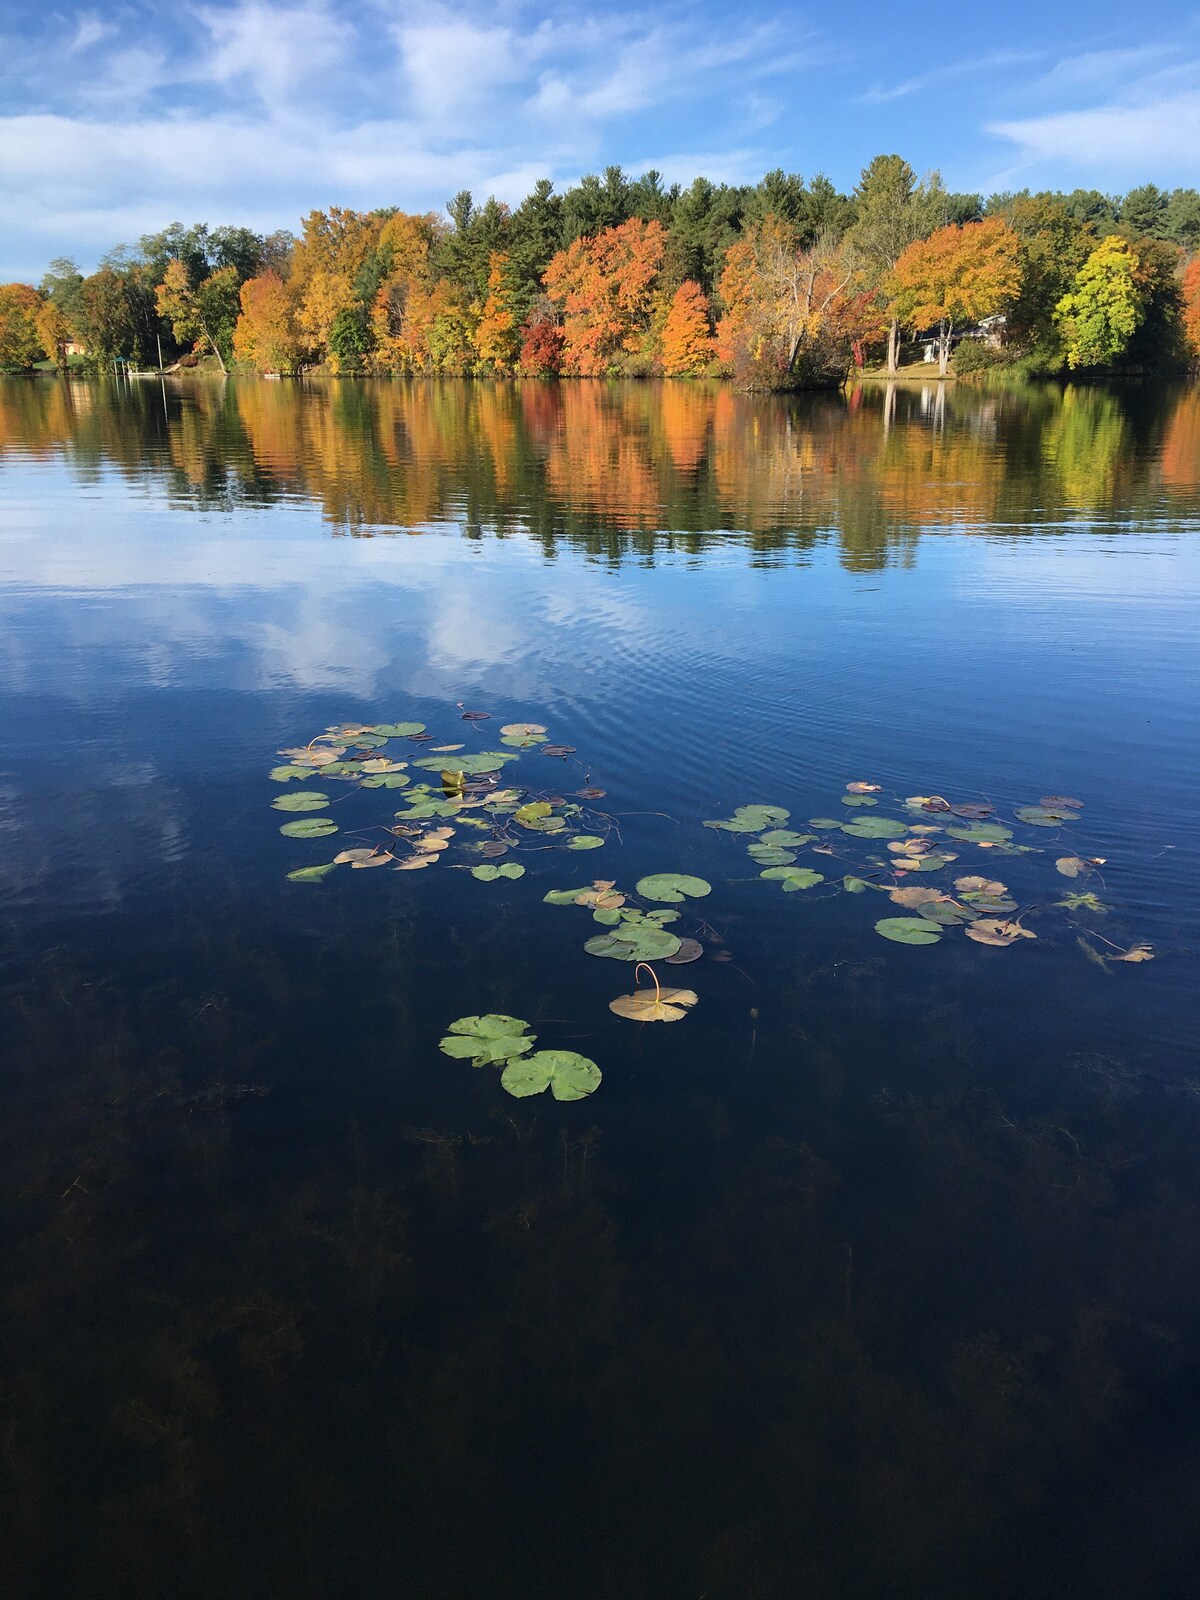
{"type": "Point", "coordinates": [266, 335]}
{"type": "Point", "coordinates": [1191, 307]}
{"type": "Point", "coordinates": [604, 287]}
{"type": "Point", "coordinates": [961, 273]}
{"type": "Point", "coordinates": [687, 342]}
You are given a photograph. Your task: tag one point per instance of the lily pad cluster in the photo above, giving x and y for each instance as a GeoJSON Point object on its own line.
{"type": "Point", "coordinates": [456, 801]}
{"type": "Point", "coordinates": [494, 1039]}
{"type": "Point", "coordinates": [636, 933]}
{"type": "Point", "coordinates": [911, 857]}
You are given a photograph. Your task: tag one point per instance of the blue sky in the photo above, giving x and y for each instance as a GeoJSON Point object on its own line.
{"type": "Point", "coordinates": [119, 118]}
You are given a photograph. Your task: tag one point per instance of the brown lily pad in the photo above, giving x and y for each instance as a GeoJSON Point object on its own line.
{"type": "Point", "coordinates": [689, 950]}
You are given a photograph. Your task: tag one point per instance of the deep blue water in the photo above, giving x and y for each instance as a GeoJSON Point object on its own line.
{"type": "Point", "coordinates": [876, 1276]}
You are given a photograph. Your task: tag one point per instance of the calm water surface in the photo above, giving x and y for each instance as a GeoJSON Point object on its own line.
{"type": "Point", "coordinates": [877, 1277]}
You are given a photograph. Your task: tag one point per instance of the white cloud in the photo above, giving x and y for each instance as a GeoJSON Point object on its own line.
{"type": "Point", "coordinates": [1158, 137]}
{"type": "Point", "coordinates": [276, 49]}
{"type": "Point", "coordinates": [89, 31]}
{"type": "Point", "coordinates": [257, 111]}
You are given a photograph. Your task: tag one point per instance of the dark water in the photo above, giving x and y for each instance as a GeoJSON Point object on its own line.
{"type": "Point", "coordinates": [879, 1276]}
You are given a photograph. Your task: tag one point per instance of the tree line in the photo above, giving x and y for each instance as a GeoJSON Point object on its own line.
{"type": "Point", "coordinates": [780, 283]}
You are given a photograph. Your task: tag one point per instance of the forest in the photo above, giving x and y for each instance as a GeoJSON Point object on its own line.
{"type": "Point", "coordinates": [782, 284]}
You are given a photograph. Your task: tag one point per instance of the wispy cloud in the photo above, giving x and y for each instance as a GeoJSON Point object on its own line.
{"type": "Point", "coordinates": [993, 61]}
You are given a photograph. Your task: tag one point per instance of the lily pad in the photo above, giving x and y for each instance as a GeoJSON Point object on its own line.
{"type": "Point", "coordinates": [785, 838]}
{"type": "Point", "coordinates": [514, 730]}
{"type": "Point", "coordinates": [946, 913]}
{"type": "Point", "coordinates": [1046, 816]}
{"type": "Point", "coordinates": [855, 885]}
{"type": "Point", "coordinates": [673, 887]}
{"type": "Point", "coordinates": [793, 878]}
{"type": "Point", "coordinates": [470, 766]}
{"type": "Point", "coordinates": [291, 770]}
{"type": "Point", "coordinates": [862, 788]}
{"type": "Point", "coordinates": [689, 950]}
{"type": "Point", "coordinates": [487, 1039]}
{"type": "Point", "coordinates": [751, 819]}
{"type": "Point", "coordinates": [567, 1075]}
{"type": "Point", "coordinates": [824, 823]}
{"type": "Point", "coordinates": [488, 874]}
{"type": "Point", "coordinates": [1061, 802]}
{"type": "Point", "coordinates": [564, 897]}
{"type": "Point", "coordinates": [766, 856]}
{"type": "Point", "coordinates": [931, 863]}
{"type": "Point", "coordinates": [991, 930]}
{"type": "Point", "coordinates": [585, 841]}
{"type": "Point", "coordinates": [981, 833]}
{"type": "Point", "coordinates": [873, 828]}
{"type": "Point", "coordinates": [301, 800]}
{"type": "Point", "coordinates": [309, 828]}
{"type": "Point", "coordinates": [859, 800]}
{"type": "Point", "coordinates": [634, 942]}
{"type": "Point", "coordinates": [655, 1005]}
{"type": "Point", "coordinates": [311, 874]}
{"type": "Point", "coordinates": [908, 930]}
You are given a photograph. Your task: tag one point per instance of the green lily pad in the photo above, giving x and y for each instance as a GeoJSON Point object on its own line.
{"type": "Point", "coordinates": [873, 828]}
{"type": "Point", "coordinates": [470, 766]}
{"type": "Point", "coordinates": [825, 823]}
{"type": "Point", "coordinates": [606, 916]}
{"type": "Point", "coordinates": [987, 832]}
{"type": "Point", "coordinates": [312, 874]}
{"type": "Point", "coordinates": [674, 887]}
{"type": "Point", "coordinates": [930, 863]}
{"type": "Point", "coordinates": [567, 1075]}
{"type": "Point", "coordinates": [1045, 816]}
{"type": "Point", "coordinates": [793, 878]}
{"type": "Point", "coordinates": [386, 780]}
{"type": "Point", "coordinates": [768, 857]}
{"type": "Point", "coordinates": [855, 885]}
{"type": "Point", "coordinates": [634, 942]}
{"type": "Point", "coordinates": [487, 1039]}
{"type": "Point", "coordinates": [288, 771]}
{"type": "Point", "coordinates": [522, 741]}
{"type": "Point", "coordinates": [489, 873]}
{"type": "Point", "coordinates": [301, 800]}
{"type": "Point", "coordinates": [992, 904]}
{"type": "Point", "coordinates": [784, 838]}
{"type": "Point", "coordinates": [859, 800]}
{"type": "Point", "coordinates": [309, 828]}
{"type": "Point", "coordinates": [945, 912]}
{"type": "Point", "coordinates": [399, 730]}
{"type": "Point", "coordinates": [909, 930]}
{"type": "Point", "coordinates": [564, 897]}
{"type": "Point", "coordinates": [585, 841]}
{"type": "Point", "coordinates": [751, 819]}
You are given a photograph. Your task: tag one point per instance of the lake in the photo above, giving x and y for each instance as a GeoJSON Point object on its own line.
{"type": "Point", "coordinates": [877, 1274]}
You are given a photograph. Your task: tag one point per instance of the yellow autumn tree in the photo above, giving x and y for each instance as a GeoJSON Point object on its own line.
{"type": "Point", "coordinates": [498, 334]}
{"type": "Point", "coordinates": [54, 332]}
{"type": "Point", "coordinates": [266, 335]}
